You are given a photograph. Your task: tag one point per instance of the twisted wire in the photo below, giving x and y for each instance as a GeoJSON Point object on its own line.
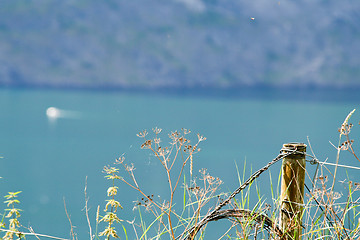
{"type": "Point", "coordinates": [191, 233]}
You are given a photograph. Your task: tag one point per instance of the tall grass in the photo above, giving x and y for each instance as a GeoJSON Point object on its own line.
{"type": "Point", "coordinates": [330, 210]}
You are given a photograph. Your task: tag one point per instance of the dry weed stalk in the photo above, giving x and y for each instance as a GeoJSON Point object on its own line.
{"type": "Point", "coordinates": [198, 196]}
{"type": "Point", "coordinates": [329, 213]}
{"type": "Point", "coordinates": [180, 152]}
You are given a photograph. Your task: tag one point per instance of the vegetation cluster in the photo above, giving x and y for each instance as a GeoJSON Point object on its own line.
{"type": "Point", "coordinates": [194, 202]}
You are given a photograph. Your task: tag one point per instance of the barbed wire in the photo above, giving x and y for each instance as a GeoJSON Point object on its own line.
{"type": "Point", "coordinates": [191, 233]}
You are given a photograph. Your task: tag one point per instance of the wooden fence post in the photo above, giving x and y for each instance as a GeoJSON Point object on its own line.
{"type": "Point", "coordinates": [292, 190]}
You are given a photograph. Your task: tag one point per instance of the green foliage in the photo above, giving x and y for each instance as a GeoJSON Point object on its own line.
{"type": "Point", "coordinates": [12, 214]}
{"type": "Point", "coordinates": [112, 205]}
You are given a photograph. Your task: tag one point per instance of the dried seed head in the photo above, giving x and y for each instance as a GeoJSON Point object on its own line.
{"type": "Point", "coordinates": [120, 160]}
{"type": "Point", "coordinates": [186, 131]}
{"type": "Point", "coordinates": [142, 134]}
{"type": "Point", "coordinates": [201, 138]}
{"type": "Point", "coordinates": [157, 130]}
{"type": "Point", "coordinates": [345, 127]}
{"type": "Point", "coordinates": [146, 144]}
{"type": "Point", "coordinates": [130, 167]}
{"type": "Point", "coordinates": [157, 141]}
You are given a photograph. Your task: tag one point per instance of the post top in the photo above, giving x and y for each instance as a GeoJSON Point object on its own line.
{"type": "Point", "coordinates": [294, 145]}
{"type": "Point", "coordinates": [300, 147]}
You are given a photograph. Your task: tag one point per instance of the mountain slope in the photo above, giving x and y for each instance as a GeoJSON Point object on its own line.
{"type": "Point", "coordinates": [179, 43]}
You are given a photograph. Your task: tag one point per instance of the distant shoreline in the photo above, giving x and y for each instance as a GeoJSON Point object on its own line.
{"type": "Point", "coordinates": [322, 94]}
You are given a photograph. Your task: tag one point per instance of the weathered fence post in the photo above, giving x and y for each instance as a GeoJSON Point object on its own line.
{"type": "Point", "coordinates": [292, 190]}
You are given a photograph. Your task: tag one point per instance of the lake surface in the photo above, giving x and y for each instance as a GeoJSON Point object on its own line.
{"type": "Point", "coordinates": [49, 159]}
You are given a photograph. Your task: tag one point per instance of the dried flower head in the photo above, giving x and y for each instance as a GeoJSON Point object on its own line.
{"type": "Point", "coordinates": [142, 134]}
{"type": "Point", "coordinates": [346, 145]}
{"type": "Point", "coordinates": [120, 160]}
{"type": "Point", "coordinates": [345, 127]}
{"type": "Point", "coordinates": [174, 136]}
{"type": "Point", "coordinates": [186, 131]}
{"type": "Point", "coordinates": [157, 130]}
{"type": "Point", "coordinates": [201, 138]}
{"type": "Point", "coordinates": [146, 144]}
{"type": "Point", "coordinates": [130, 167]}
{"type": "Point", "coordinates": [157, 141]}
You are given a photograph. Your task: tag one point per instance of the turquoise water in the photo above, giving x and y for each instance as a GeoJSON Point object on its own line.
{"type": "Point", "coordinates": [49, 160]}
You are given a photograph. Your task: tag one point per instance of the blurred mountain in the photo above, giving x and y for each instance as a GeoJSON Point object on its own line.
{"type": "Point", "coordinates": [179, 43]}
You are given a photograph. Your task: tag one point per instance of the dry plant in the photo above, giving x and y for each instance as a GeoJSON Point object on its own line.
{"type": "Point", "coordinates": [173, 159]}
{"type": "Point", "coordinates": [328, 211]}
{"type": "Point", "coordinates": [325, 215]}
{"type": "Point", "coordinates": [191, 218]}
{"type": "Point", "coordinates": [331, 213]}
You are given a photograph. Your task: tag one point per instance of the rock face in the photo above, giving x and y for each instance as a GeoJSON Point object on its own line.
{"type": "Point", "coordinates": [179, 43]}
